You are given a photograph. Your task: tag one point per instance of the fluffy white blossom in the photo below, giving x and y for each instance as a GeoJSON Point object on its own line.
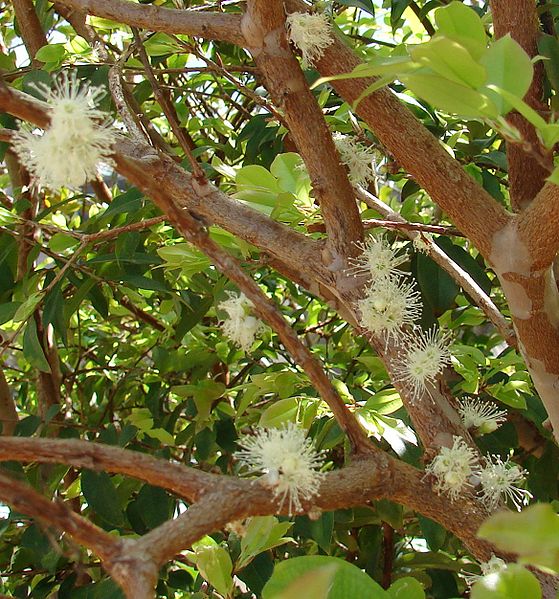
{"type": "Point", "coordinates": [493, 566]}
{"type": "Point", "coordinates": [378, 259]}
{"type": "Point", "coordinates": [77, 140]}
{"type": "Point", "coordinates": [483, 416]}
{"type": "Point", "coordinates": [287, 459]}
{"type": "Point", "coordinates": [498, 481]}
{"type": "Point", "coordinates": [311, 33]}
{"type": "Point", "coordinates": [452, 468]}
{"type": "Point", "coordinates": [358, 158]}
{"type": "Point", "coordinates": [388, 305]}
{"type": "Point", "coordinates": [241, 327]}
{"type": "Point", "coordinates": [422, 359]}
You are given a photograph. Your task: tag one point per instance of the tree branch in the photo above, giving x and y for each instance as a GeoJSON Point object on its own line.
{"type": "Point", "coordinates": [209, 25]}
{"type": "Point", "coordinates": [183, 481]}
{"type": "Point", "coordinates": [526, 173]}
{"type": "Point", "coordinates": [30, 28]}
{"type": "Point", "coordinates": [264, 27]}
{"type": "Point", "coordinates": [469, 206]}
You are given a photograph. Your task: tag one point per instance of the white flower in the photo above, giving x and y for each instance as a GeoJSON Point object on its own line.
{"type": "Point", "coordinates": [240, 326]}
{"type": "Point", "coordinates": [498, 480]}
{"type": "Point", "coordinates": [452, 468]}
{"type": "Point", "coordinates": [483, 416]}
{"type": "Point", "coordinates": [424, 357]}
{"type": "Point", "coordinates": [311, 33]}
{"type": "Point", "coordinates": [77, 140]}
{"type": "Point", "coordinates": [378, 259]}
{"type": "Point", "coordinates": [388, 305]}
{"type": "Point", "coordinates": [493, 566]}
{"type": "Point", "coordinates": [358, 158]}
{"type": "Point", "coordinates": [288, 460]}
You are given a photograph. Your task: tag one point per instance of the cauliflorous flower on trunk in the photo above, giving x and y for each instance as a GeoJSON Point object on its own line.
{"type": "Point", "coordinates": [378, 259]}
{"type": "Point", "coordinates": [498, 481]}
{"type": "Point", "coordinates": [358, 158]}
{"type": "Point", "coordinates": [388, 305]}
{"type": "Point", "coordinates": [241, 327]}
{"type": "Point", "coordinates": [311, 33]}
{"type": "Point", "coordinates": [77, 141]}
{"type": "Point", "coordinates": [422, 360]}
{"type": "Point", "coordinates": [452, 468]}
{"type": "Point", "coordinates": [483, 416]}
{"type": "Point", "coordinates": [288, 460]}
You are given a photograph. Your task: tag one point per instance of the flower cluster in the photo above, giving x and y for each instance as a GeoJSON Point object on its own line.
{"type": "Point", "coordinates": [311, 34]}
{"type": "Point", "coordinates": [358, 158]}
{"type": "Point", "coordinates": [457, 467]}
{"type": "Point", "coordinates": [288, 460]}
{"type": "Point", "coordinates": [485, 417]}
{"type": "Point", "coordinates": [78, 139]}
{"type": "Point", "coordinates": [240, 326]}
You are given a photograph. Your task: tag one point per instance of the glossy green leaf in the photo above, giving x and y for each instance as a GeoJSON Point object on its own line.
{"type": "Point", "coordinates": [261, 533]}
{"type": "Point", "coordinates": [102, 497]}
{"type": "Point", "coordinates": [533, 534]}
{"type": "Point", "coordinates": [548, 46]}
{"type": "Point", "coordinates": [450, 60]}
{"type": "Point", "coordinates": [462, 24]}
{"type": "Point", "coordinates": [515, 582]}
{"type": "Point", "coordinates": [349, 581]}
{"type": "Point", "coordinates": [406, 588]}
{"type": "Point", "coordinates": [450, 96]}
{"type": "Point", "coordinates": [280, 412]}
{"type": "Point", "coordinates": [32, 349]}
{"type": "Point", "coordinates": [214, 564]}
{"type": "Point", "coordinates": [509, 68]}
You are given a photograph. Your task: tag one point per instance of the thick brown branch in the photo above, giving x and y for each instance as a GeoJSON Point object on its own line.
{"type": "Point", "coordinates": [264, 28]}
{"type": "Point", "coordinates": [469, 206]}
{"type": "Point", "coordinates": [30, 28]}
{"type": "Point", "coordinates": [185, 482]}
{"type": "Point", "coordinates": [217, 26]}
{"type": "Point", "coordinates": [526, 172]}
{"type": "Point", "coordinates": [538, 227]}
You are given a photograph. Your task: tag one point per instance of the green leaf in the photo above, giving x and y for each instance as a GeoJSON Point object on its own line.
{"type": "Point", "coordinates": [261, 533]}
{"type": "Point", "coordinates": [514, 582]}
{"type": "Point", "coordinates": [28, 307]}
{"type": "Point", "coordinates": [257, 185]}
{"type": "Point", "coordinates": [533, 534]}
{"type": "Point", "coordinates": [349, 581]}
{"type": "Point", "coordinates": [60, 242]}
{"type": "Point", "coordinates": [280, 412]}
{"type": "Point", "coordinates": [450, 60]}
{"type": "Point", "coordinates": [450, 96]}
{"type": "Point", "coordinates": [315, 584]}
{"type": "Point", "coordinates": [508, 68]}
{"type": "Point", "coordinates": [462, 24]}
{"type": "Point", "coordinates": [548, 46]}
{"type": "Point", "coordinates": [214, 564]}
{"type": "Point", "coordinates": [291, 174]}
{"type": "Point", "coordinates": [51, 53]}
{"type": "Point", "coordinates": [102, 497]}
{"type": "Point", "coordinates": [32, 350]}
{"type": "Point", "coordinates": [386, 401]}
{"type": "Point", "coordinates": [154, 505]}
{"type": "Point", "coordinates": [438, 288]}
{"type": "Point", "coordinates": [406, 588]}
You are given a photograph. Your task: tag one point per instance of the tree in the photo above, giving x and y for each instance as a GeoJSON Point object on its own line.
{"type": "Point", "coordinates": [303, 320]}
